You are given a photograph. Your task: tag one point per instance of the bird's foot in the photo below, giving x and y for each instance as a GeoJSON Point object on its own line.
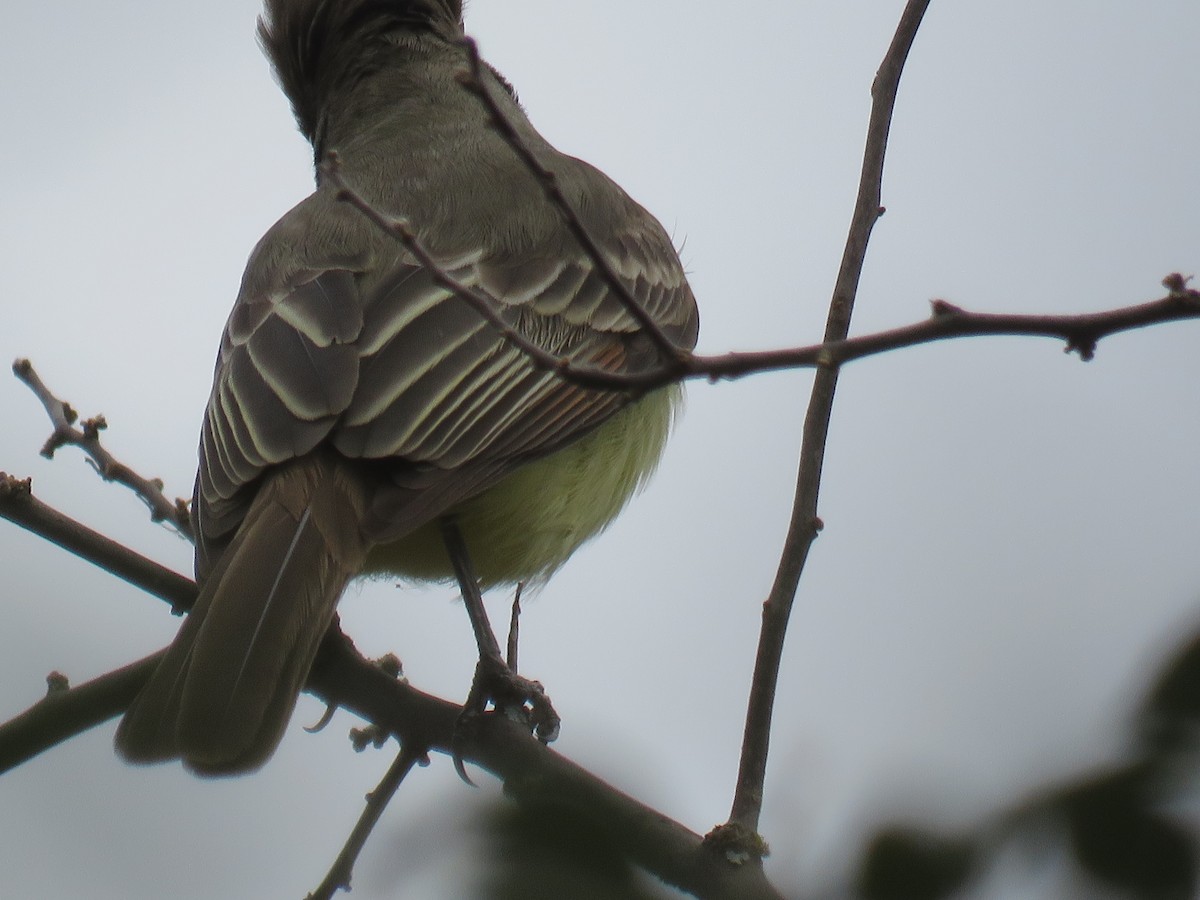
{"type": "Point", "coordinates": [521, 699]}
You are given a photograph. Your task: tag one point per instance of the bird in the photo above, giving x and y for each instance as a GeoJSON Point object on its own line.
{"type": "Point", "coordinates": [365, 420]}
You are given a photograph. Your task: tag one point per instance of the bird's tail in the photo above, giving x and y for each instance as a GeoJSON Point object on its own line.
{"type": "Point", "coordinates": [223, 694]}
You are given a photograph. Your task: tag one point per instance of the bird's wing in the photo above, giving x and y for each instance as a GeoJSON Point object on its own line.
{"type": "Point", "coordinates": [396, 368]}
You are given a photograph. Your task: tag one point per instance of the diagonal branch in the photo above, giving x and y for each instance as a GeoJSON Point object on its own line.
{"type": "Point", "coordinates": [472, 81]}
{"type": "Point", "coordinates": [338, 877]}
{"type": "Point", "coordinates": [804, 525]}
{"type": "Point", "coordinates": [63, 417]}
{"type": "Point", "coordinates": [66, 712]}
{"type": "Point", "coordinates": [478, 298]}
{"type": "Point", "coordinates": [19, 505]}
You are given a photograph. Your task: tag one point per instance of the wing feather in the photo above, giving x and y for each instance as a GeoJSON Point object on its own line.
{"type": "Point", "coordinates": [385, 364]}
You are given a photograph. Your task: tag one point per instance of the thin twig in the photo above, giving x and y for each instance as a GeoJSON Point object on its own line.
{"type": "Point", "coordinates": [472, 80]}
{"type": "Point", "coordinates": [804, 525]}
{"type": "Point", "coordinates": [338, 877]}
{"type": "Point", "coordinates": [1080, 333]}
{"type": "Point", "coordinates": [63, 417]}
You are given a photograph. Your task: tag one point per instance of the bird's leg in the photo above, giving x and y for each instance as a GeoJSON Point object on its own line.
{"type": "Point", "coordinates": [494, 681]}
{"type": "Point", "coordinates": [468, 583]}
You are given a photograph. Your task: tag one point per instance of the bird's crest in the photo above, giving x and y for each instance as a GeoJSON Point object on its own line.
{"type": "Point", "coordinates": [317, 46]}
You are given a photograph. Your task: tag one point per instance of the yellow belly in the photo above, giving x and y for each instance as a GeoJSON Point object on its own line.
{"type": "Point", "coordinates": [527, 525]}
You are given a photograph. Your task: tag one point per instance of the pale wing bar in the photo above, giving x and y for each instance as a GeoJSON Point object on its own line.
{"type": "Point", "coordinates": [417, 375]}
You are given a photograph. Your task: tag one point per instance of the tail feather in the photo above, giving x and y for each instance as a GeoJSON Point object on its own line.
{"type": "Point", "coordinates": [222, 696]}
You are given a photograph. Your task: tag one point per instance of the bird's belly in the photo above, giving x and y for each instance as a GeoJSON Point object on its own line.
{"type": "Point", "coordinates": [528, 524]}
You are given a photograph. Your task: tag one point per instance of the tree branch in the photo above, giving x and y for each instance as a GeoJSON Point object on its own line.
{"type": "Point", "coordinates": [338, 877]}
{"type": "Point", "coordinates": [804, 524]}
{"type": "Point", "coordinates": [63, 417]}
{"type": "Point", "coordinates": [472, 81]}
{"type": "Point", "coordinates": [66, 712]}
{"type": "Point", "coordinates": [19, 505]}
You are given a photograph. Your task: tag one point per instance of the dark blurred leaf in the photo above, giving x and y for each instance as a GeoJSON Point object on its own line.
{"type": "Point", "coordinates": [914, 865]}
{"type": "Point", "coordinates": [546, 853]}
{"type": "Point", "coordinates": [1173, 708]}
{"type": "Point", "coordinates": [1118, 838]}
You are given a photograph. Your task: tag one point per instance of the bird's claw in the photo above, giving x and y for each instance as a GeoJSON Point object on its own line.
{"type": "Point", "coordinates": [520, 699]}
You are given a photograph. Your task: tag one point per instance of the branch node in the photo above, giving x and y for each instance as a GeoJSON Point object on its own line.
{"type": "Point", "coordinates": [1084, 345]}
{"type": "Point", "coordinates": [368, 736]}
{"type": "Point", "coordinates": [737, 844]}
{"type": "Point", "coordinates": [1177, 285]}
{"type": "Point", "coordinates": [16, 488]}
{"type": "Point", "coordinates": [939, 308]}
{"type": "Point", "coordinates": [57, 683]}
{"type": "Point", "coordinates": [391, 665]}
{"type": "Point", "coordinates": [826, 359]}
{"type": "Point", "coordinates": [93, 426]}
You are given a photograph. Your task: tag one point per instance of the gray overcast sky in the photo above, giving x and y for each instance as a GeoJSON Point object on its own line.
{"type": "Point", "coordinates": [1010, 534]}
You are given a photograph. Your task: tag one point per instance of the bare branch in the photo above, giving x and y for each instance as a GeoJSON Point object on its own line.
{"type": "Point", "coordinates": [472, 81]}
{"type": "Point", "coordinates": [1080, 333]}
{"type": "Point", "coordinates": [17, 504]}
{"type": "Point", "coordinates": [63, 417]}
{"type": "Point", "coordinates": [533, 774]}
{"type": "Point", "coordinates": [66, 712]}
{"type": "Point", "coordinates": [804, 524]}
{"type": "Point", "coordinates": [338, 877]}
